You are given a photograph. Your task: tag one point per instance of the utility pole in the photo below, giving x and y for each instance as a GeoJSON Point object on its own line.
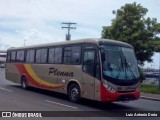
{"type": "Point", "coordinates": [68, 36]}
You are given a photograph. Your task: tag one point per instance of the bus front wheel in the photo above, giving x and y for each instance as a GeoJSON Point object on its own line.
{"type": "Point", "coordinates": [24, 83]}
{"type": "Point", "coordinates": [74, 93]}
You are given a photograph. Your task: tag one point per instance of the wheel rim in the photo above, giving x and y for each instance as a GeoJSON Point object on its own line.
{"type": "Point", "coordinates": [24, 84]}
{"type": "Point", "coordinates": [74, 93]}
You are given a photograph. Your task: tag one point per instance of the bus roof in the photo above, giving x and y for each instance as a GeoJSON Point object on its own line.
{"type": "Point", "coordinates": [88, 40]}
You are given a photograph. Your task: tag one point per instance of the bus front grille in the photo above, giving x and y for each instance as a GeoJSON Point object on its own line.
{"type": "Point", "coordinates": [125, 91]}
{"type": "Point", "coordinates": [126, 97]}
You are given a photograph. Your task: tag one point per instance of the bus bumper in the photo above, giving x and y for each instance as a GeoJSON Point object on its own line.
{"type": "Point", "coordinates": [107, 96]}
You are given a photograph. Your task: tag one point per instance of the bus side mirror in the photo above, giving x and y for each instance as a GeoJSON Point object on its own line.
{"type": "Point", "coordinates": [102, 53]}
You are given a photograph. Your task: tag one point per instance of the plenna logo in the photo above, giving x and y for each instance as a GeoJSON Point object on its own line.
{"type": "Point", "coordinates": [57, 72]}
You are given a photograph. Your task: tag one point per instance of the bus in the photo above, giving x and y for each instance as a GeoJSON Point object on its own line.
{"type": "Point", "coordinates": [96, 69]}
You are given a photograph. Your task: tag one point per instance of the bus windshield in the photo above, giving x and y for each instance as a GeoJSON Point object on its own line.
{"type": "Point", "coordinates": [120, 63]}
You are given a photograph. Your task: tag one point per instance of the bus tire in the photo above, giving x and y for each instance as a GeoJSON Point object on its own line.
{"type": "Point", "coordinates": [74, 93]}
{"type": "Point", "coordinates": [24, 83]}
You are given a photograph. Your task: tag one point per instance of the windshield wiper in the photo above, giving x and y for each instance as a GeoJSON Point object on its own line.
{"type": "Point", "coordinates": [120, 68]}
{"type": "Point", "coordinates": [124, 67]}
{"type": "Point", "coordinates": [127, 66]}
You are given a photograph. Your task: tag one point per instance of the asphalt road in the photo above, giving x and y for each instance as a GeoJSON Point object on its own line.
{"type": "Point", "coordinates": [14, 98]}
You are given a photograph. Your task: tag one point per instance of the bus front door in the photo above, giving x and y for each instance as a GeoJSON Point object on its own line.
{"type": "Point", "coordinates": [88, 84]}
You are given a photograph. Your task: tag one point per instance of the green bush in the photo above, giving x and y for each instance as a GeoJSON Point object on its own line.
{"type": "Point", "coordinates": [142, 76]}
{"type": "Point", "coordinates": [153, 89]}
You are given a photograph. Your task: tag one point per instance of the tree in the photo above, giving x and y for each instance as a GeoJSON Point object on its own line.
{"type": "Point", "coordinates": [132, 27]}
{"type": "Point", "coordinates": [142, 76]}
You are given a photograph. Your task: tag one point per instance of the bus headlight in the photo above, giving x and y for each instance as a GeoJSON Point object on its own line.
{"type": "Point", "coordinates": [109, 88]}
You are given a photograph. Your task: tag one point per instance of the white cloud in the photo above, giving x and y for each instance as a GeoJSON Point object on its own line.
{"type": "Point", "coordinates": [156, 62]}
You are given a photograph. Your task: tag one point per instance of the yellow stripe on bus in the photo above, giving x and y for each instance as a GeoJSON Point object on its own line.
{"type": "Point", "coordinates": [36, 78]}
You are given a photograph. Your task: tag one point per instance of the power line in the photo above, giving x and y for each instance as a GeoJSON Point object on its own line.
{"type": "Point", "coordinates": [68, 36]}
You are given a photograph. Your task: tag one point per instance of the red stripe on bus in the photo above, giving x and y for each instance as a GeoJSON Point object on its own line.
{"type": "Point", "coordinates": [23, 71]}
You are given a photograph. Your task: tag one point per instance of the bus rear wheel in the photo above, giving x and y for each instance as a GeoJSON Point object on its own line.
{"type": "Point", "coordinates": [74, 93]}
{"type": "Point", "coordinates": [24, 83]}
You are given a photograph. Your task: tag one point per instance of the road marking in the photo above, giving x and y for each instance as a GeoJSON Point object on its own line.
{"type": "Point", "coordinates": [150, 98]}
{"type": "Point", "coordinates": [6, 89]}
{"type": "Point", "coordinates": [61, 104]}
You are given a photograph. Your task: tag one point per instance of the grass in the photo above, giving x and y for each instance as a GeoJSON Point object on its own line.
{"type": "Point", "coordinates": [153, 89]}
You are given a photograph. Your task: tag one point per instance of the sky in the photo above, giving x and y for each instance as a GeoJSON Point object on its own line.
{"type": "Point", "coordinates": [30, 22]}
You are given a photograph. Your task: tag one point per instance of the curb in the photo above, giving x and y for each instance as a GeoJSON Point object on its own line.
{"type": "Point", "coordinates": [150, 98]}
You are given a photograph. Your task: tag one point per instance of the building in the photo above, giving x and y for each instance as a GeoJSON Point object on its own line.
{"type": "Point", "coordinates": [3, 54]}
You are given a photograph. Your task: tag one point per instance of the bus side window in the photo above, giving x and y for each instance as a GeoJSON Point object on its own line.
{"type": "Point", "coordinates": [88, 62]}
{"type": "Point", "coordinates": [13, 56]}
{"type": "Point", "coordinates": [41, 55]}
{"type": "Point", "coordinates": [20, 56]}
{"type": "Point", "coordinates": [30, 56]}
{"type": "Point", "coordinates": [8, 56]}
{"type": "Point", "coordinates": [72, 55]}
